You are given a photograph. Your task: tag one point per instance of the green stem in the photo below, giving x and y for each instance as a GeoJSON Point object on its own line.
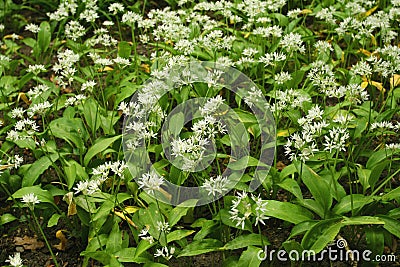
{"type": "Point", "coordinates": [44, 237]}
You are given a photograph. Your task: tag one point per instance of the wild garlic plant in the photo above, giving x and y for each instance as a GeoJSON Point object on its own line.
{"type": "Point", "coordinates": [99, 120]}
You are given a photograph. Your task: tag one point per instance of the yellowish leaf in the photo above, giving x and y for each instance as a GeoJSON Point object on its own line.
{"type": "Point", "coordinates": [63, 240]}
{"type": "Point", "coordinates": [395, 81]}
{"type": "Point", "coordinates": [106, 68]}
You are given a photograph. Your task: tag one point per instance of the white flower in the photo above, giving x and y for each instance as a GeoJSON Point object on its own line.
{"type": "Point", "coordinates": [336, 139]}
{"type": "Point", "coordinates": [292, 43]}
{"type": "Point", "coordinates": [163, 226]}
{"type": "Point", "coordinates": [89, 85]}
{"type": "Point", "coordinates": [74, 30]}
{"type": "Point", "coordinates": [30, 199]}
{"type": "Point", "coordinates": [115, 8]}
{"type": "Point", "coordinates": [143, 235]}
{"type": "Point", "coordinates": [15, 261]}
{"type": "Point", "coordinates": [217, 185]}
{"type": "Point", "coordinates": [150, 181]}
{"type": "Point", "coordinates": [32, 28]}
{"type": "Point", "coordinates": [36, 69]}
{"type": "Point", "coordinates": [164, 252]}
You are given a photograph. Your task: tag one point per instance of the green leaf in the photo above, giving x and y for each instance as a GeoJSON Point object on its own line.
{"type": "Point", "coordinates": [100, 145]}
{"type": "Point", "coordinates": [363, 177]}
{"type": "Point", "coordinates": [244, 162]}
{"type": "Point", "coordinates": [391, 225]}
{"type": "Point", "coordinates": [103, 211]}
{"type": "Point", "coordinates": [37, 168]}
{"type": "Point", "coordinates": [178, 235]}
{"type": "Point", "coordinates": [176, 123]}
{"type": "Point", "coordinates": [287, 211]}
{"type": "Point", "coordinates": [114, 242]}
{"type": "Point", "coordinates": [361, 220]}
{"type": "Point", "coordinates": [318, 187]}
{"type": "Point", "coordinates": [178, 212]}
{"type": "Point", "coordinates": [53, 220]}
{"type": "Point", "coordinates": [74, 170]}
{"type": "Point", "coordinates": [250, 257]}
{"type": "Point", "coordinates": [351, 202]}
{"type": "Point", "coordinates": [143, 246]}
{"type": "Point", "coordinates": [207, 227]}
{"type": "Point", "coordinates": [6, 218]}
{"type": "Point", "coordinates": [71, 130]}
{"type": "Point", "coordinates": [394, 194]}
{"type": "Point", "coordinates": [200, 247]}
{"type": "Point", "coordinates": [301, 228]}
{"type": "Point", "coordinates": [44, 36]}
{"type": "Point", "coordinates": [91, 112]}
{"type": "Point", "coordinates": [291, 186]}
{"type": "Point", "coordinates": [321, 234]}
{"type": "Point", "coordinates": [150, 216]}
{"type": "Point", "coordinates": [243, 241]}
{"type": "Point", "coordinates": [124, 49]}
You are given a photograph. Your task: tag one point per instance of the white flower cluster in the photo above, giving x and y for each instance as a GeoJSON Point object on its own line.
{"type": "Point", "coordinates": [99, 175]}
{"type": "Point", "coordinates": [243, 208]}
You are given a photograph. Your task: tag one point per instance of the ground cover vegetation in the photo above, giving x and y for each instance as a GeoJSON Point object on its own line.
{"type": "Point", "coordinates": [330, 75]}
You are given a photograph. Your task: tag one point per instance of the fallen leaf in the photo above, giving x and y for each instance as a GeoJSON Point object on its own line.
{"type": "Point", "coordinates": [63, 240]}
{"type": "Point", "coordinates": [71, 203]}
{"type": "Point", "coordinates": [395, 81]}
{"type": "Point", "coordinates": [28, 242]}
{"type": "Point", "coordinates": [280, 165]}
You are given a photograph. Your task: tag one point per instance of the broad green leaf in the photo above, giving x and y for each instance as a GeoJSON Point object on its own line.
{"type": "Point", "coordinates": [73, 171]}
{"type": "Point", "coordinates": [143, 246]}
{"type": "Point", "coordinates": [391, 225]}
{"type": "Point", "coordinates": [176, 123]}
{"type": "Point", "coordinates": [37, 168]}
{"type": "Point", "coordinates": [244, 162]}
{"type": "Point", "coordinates": [291, 186]}
{"type": "Point", "coordinates": [6, 218]}
{"type": "Point", "coordinates": [99, 146]}
{"type": "Point", "coordinates": [351, 202]}
{"type": "Point", "coordinates": [394, 194]}
{"type": "Point", "coordinates": [374, 237]}
{"type": "Point", "coordinates": [250, 257]}
{"type": "Point", "coordinates": [104, 210]}
{"type": "Point", "coordinates": [114, 242]}
{"type": "Point", "coordinates": [377, 157]}
{"type": "Point", "coordinates": [150, 217]}
{"type": "Point", "coordinates": [361, 220]}
{"type": "Point", "coordinates": [44, 36]}
{"type": "Point", "coordinates": [53, 220]}
{"type": "Point", "coordinates": [321, 234]}
{"type": "Point", "coordinates": [200, 247]}
{"type": "Point", "coordinates": [287, 211]}
{"type": "Point", "coordinates": [318, 187]}
{"type": "Point", "coordinates": [178, 212]}
{"type": "Point", "coordinates": [243, 241]}
{"type": "Point", "coordinates": [363, 177]}
{"type": "Point", "coordinates": [301, 228]}
{"type": "Point", "coordinates": [208, 226]}
{"type": "Point", "coordinates": [71, 130]}
{"type": "Point", "coordinates": [124, 49]}
{"type": "Point", "coordinates": [91, 112]}
{"type": "Point", "coordinates": [178, 234]}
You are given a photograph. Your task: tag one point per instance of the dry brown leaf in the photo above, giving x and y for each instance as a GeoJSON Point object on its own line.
{"type": "Point", "coordinates": [63, 240]}
{"type": "Point", "coordinates": [27, 242]}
